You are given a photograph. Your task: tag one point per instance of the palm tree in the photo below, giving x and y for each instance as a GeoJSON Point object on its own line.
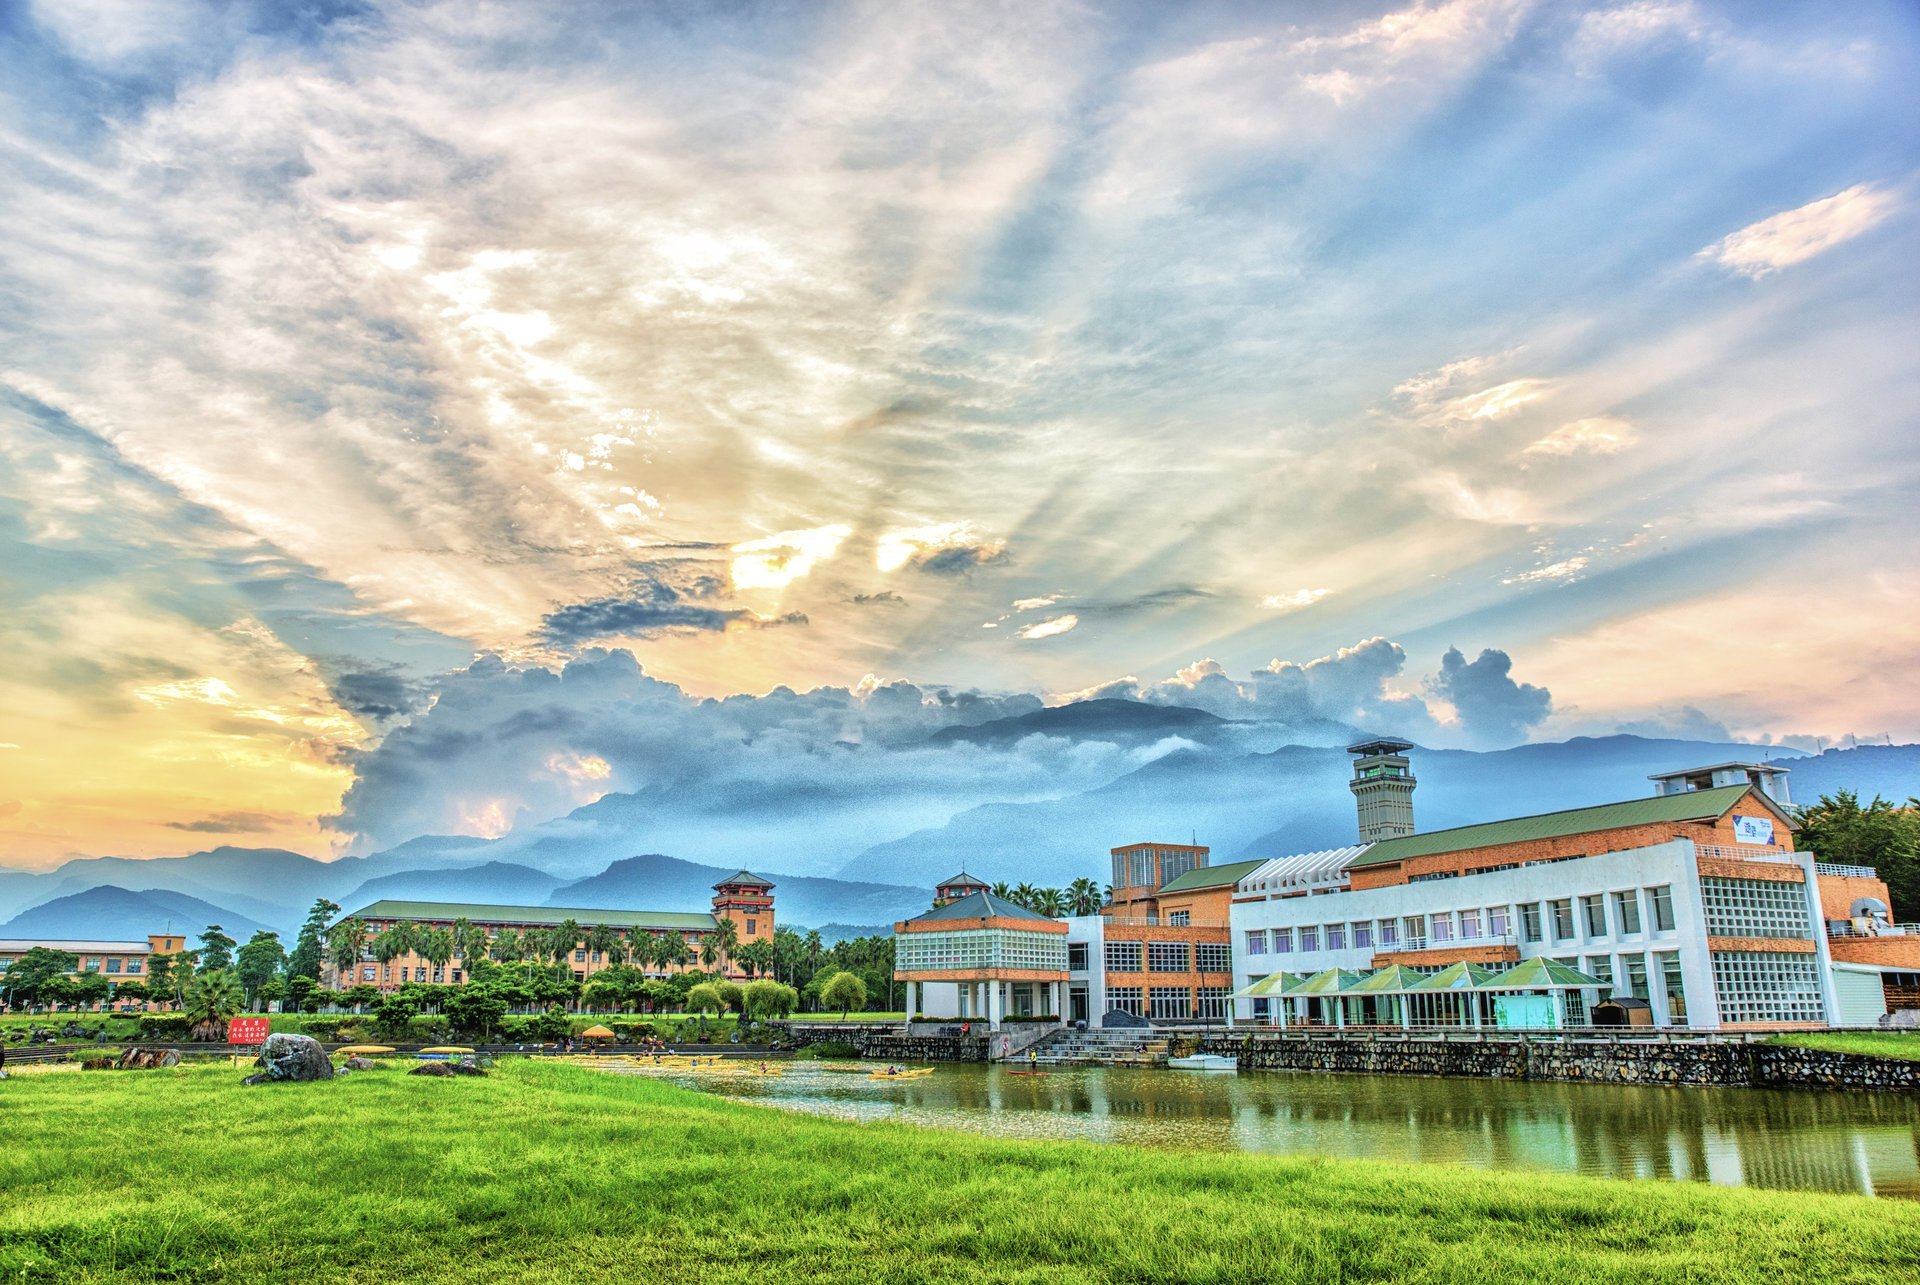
{"type": "Point", "coordinates": [729, 940]}
{"type": "Point", "coordinates": [1050, 902]}
{"type": "Point", "coordinates": [436, 947]}
{"type": "Point", "coordinates": [212, 998]}
{"type": "Point", "coordinates": [815, 947]}
{"type": "Point", "coordinates": [601, 940]}
{"type": "Point", "coordinates": [1002, 890]}
{"type": "Point", "coordinates": [709, 949]}
{"type": "Point", "coordinates": [1024, 894]}
{"type": "Point", "coordinates": [1083, 895]}
{"type": "Point", "coordinates": [565, 939]}
{"type": "Point", "coordinates": [675, 952]}
{"type": "Point", "coordinates": [345, 944]}
{"type": "Point", "coordinates": [469, 944]}
{"type": "Point", "coordinates": [507, 946]}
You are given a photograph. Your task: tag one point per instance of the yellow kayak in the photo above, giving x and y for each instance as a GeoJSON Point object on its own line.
{"type": "Point", "coordinates": [901, 1075]}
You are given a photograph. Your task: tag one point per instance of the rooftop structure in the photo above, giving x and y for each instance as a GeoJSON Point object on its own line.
{"type": "Point", "coordinates": [1769, 779]}
{"type": "Point", "coordinates": [1382, 786]}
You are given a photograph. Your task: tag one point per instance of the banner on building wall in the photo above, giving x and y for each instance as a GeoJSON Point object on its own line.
{"type": "Point", "coordinates": [1753, 830]}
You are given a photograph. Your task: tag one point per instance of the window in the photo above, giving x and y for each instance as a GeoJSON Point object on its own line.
{"type": "Point", "coordinates": [1416, 932]}
{"type": "Point", "coordinates": [1126, 999]}
{"type": "Point", "coordinates": [1627, 906]}
{"type": "Point", "coordinates": [980, 948]}
{"type": "Point", "coordinates": [1262, 1010]}
{"type": "Point", "coordinates": [1178, 918]}
{"type": "Point", "coordinates": [1469, 925]}
{"type": "Point", "coordinates": [1601, 966]}
{"type": "Point", "coordinates": [1213, 957]}
{"type": "Point", "coordinates": [366, 974]}
{"type": "Point", "coordinates": [752, 927]}
{"type": "Point", "coordinates": [1363, 934]}
{"type": "Point", "coordinates": [419, 974]}
{"type": "Point", "coordinates": [578, 976]}
{"type": "Point", "coordinates": [1256, 941]}
{"type": "Point", "coordinates": [1529, 921]}
{"type": "Point", "coordinates": [1754, 908]}
{"type": "Point", "coordinates": [113, 965]}
{"type": "Point", "coordinates": [1309, 937]}
{"type": "Point", "coordinates": [579, 956]}
{"type": "Point", "coordinates": [1389, 932]}
{"type": "Point", "coordinates": [596, 957]}
{"type": "Point", "coordinates": [1123, 957]}
{"type": "Point", "coordinates": [1763, 986]}
{"type": "Point", "coordinates": [1497, 921]}
{"type": "Point", "coordinates": [1076, 957]}
{"type": "Point", "coordinates": [1676, 988]}
{"type": "Point", "coordinates": [456, 977]}
{"type": "Point", "coordinates": [1636, 982]}
{"type": "Point", "coordinates": [136, 966]}
{"type": "Point", "coordinates": [1662, 900]}
{"type": "Point", "coordinates": [1336, 936]}
{"type": "Point", "coordinates": [1213, 1003]}
{"type": "Point", "coordinates": [1441, 927]}
{"type": "Point", "coordinates": [1563, 919]}
{"type": "Point", "coordinates": [1170, 1003]}
{"type": "Point", "coordinates": [1594, 911]}
{"type": "Point", "coordinates": [1283, 941]}
{"type": "Point", "coordinates": [1168, 957]}
{"type": "Point", "coordinates": [91, 964]}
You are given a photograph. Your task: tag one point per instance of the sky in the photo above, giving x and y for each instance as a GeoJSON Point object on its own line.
{"type": "Point", "coordinates": [796, 376]}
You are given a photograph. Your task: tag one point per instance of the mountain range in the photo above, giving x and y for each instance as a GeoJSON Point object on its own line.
{"type": "Point", "coordinates": [854, 851]}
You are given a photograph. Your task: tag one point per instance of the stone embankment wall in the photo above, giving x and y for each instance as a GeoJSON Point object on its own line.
{"type": "Point", "coordinates": [1590, 1061]}
{"type": "Point", "coordinates": [922, 1048]}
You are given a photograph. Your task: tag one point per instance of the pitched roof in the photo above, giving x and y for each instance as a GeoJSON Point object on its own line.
{"type": "Point", "coordinates": [1392, 978]}
{"type": "Point", "coordinates": [544, 915]}
{"type": "Point", "coordinates": [746, 877]}
{"type": "Point", "coordinates": [963, 878]}
{"type": "Point", "coordinates": [1211, 876]}
{"type": "Point", "coordinates": [980, 905]}
{"type": "Point", "coordinates": [1329, 981]}
{"type": "Point", "coordinates": [1456, 977]}
{"type": "Point", "coordinates": [1540, 974]}
{"type": "Point", "coordinates": [74, 946]}
{"type": "Point", "coordinates": [1700, 805]}
{"type": "Point", "coordinates": [1271, 984]}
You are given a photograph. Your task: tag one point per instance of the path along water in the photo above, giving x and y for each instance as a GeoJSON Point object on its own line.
{"type": "Point", "coordinates": [1848, 1142]}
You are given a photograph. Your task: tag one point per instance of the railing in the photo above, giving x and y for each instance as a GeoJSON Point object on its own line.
{"type": "Point", "coordinates": [1841, 929]}
{"type": "Point", "coordinates": [1136, 921]}
{"type": "Point", "coordinates": [1777, 856]}
{"type": "Point", "coordinates": [1845, 872]}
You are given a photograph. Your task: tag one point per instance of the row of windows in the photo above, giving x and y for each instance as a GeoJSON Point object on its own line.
{"type": "Point", "coordinates": [1163, 957]}
{"type": "Point", "coordinates": [133, 967]}
{"type": "Point", "coordinates": [1754, 908]}
{"type": "Point", "coordinates": [981, 948]}
{"type": "Point", "coordinates": [1417, 932]}
{"type": "Point", "coordinates": [1171, 1003]}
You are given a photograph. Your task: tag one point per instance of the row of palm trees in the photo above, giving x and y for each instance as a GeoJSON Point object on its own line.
{"type": "Point", "coordinates": [1081, 897]}
{"type": "Point", "coordinates": [350, 942]}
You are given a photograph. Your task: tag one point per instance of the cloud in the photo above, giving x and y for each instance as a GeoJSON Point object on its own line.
{"type": "Point", "coordinates": [234, 823]}
{"type": "Point", "coordinates": [1685, 723]}
{"type": "Point", "coordinates": [1488, 704]}
{"type": "Point", "coordinates": [1566, 569]}
{"type": "Point", "coordinates": [945, 549]}
{"type": "Point", "coordinates": [1050, 628]}
{"type": "Point", "coordinates": [885, 598]}
{"type": "Point", "coordinates": [1794, 236]}
{"type": "Point", "coordinates": [1293, 601]}
{"type": "Point", "coordinates": [652, 608]}
{"type": "Point", "coordinates": [778, 560]}
{"type": "Point", "coordinates": [1600, 435]}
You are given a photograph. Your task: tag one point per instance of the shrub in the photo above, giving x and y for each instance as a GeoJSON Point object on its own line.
{"type": "Point", "coordinates": [427, 1030]}
{"type": "Point", "coordinates": [826, 1049]}
{"type": "Point", "coordinates": [552, 1024]}
{"type": "Point", "coordinates": [631, 1032]}
{"type": "Point", "coordinates": [163, 1026]}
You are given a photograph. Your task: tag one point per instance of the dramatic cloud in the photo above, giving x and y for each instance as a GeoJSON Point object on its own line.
{"type": "Point", "coordinates": [1794, 236]}
{"type": "Point", "coordinates": [1489, 706]}
{"type": "Point", "coordinates": [235, 823]}
{"type": "Point", "coordinates": [950, 549]}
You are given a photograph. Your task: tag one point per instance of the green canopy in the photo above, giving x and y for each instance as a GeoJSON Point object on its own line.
{"type": "Point", "coordinates": [1331, 981]}
{"type": "Point", "coordinates": [1390, 980]}
{"type": "Point", "coordinates": [1272, 984]}
{"type": "Point", "coordinates": [1455, 977]}
{"type": "Point", "coordinates": [1540, 974]}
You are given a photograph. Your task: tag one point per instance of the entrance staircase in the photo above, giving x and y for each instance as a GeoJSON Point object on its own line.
{"type": "Point", "coordinates": [1136, 1047]}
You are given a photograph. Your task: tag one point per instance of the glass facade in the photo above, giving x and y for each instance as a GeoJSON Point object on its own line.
{"type": "Point", "coordinates": [981, 948]}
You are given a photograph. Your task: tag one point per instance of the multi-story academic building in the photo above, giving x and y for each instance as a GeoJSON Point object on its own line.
{"type": "Point", "coordinates": [744, 898]}
{"type": "Point", "coordinates": [117, 961]}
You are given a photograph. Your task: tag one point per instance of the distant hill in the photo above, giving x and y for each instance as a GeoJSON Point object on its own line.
{"type": "Point", "coordinates": [656, 882]}
{"type": "Point", "coordinates": [111, 913]}
{"type": "Point", "coordinates": [496, 882]}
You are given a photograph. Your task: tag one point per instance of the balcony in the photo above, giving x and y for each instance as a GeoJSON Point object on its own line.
{"type": "Point", "coordinates": [1839, 928]}
{"type": "Point", "coordinates": [1745, 852]}
{"type": "Point", "coordinates": [1833, 871]}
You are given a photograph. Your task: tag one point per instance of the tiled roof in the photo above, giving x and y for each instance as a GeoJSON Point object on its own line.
{"type": "Point", "coordinates": [1700, 805]}
{"type": "Point", "coordinates": [980, 905]}
{"type": "Point", "coordinates": [546, 915]}
{"type": "Point", "coordinates": [1211, 876]}
{"type": "Point", "coordinates": [746, 877]}
{"type": "Point", "coordinates": [962, 878]}
{"type": "Point", "coordinates": [1540, 974]}
{"type": "Point", "coordinates": [73, 946]}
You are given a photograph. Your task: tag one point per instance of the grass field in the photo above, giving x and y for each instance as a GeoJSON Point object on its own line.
{"type": "Point", "coordinates": [547, 1171]}
{"type": "Point", "coordinates": [1900, 1044]}
{"type": "Point", "coordinates": [119, 1026]}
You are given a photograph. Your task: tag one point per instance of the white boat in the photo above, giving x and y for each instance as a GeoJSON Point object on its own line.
{"type": "Point", "coordinates": [1204, 1062]}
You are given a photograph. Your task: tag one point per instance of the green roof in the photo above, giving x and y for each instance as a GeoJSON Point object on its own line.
{"type": "Point", "coordinates": [747, 878]}
{"type": "Point", "coordinates": [1331, 981]}
{"type": "Point", "coordinates": [1454, 977]}
{"type": "Point", "coordinates": [1271, 984]}
{"type": "Point", "coordinates": [1212, 876]}
{"type": "Point", "coordinates": [585, 917]}
{"type": "Point", "coordinates": [1666, 809]}
{"type": "Point", "coordinates": [1540, 974]}
{"type": "Point", "coordinates": [1392, 978]}
{"type": "Point", "coordinates": [981, 905]}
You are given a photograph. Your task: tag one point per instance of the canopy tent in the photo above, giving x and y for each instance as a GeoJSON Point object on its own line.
{"type": "Point", "coordinates": [596, 1033]}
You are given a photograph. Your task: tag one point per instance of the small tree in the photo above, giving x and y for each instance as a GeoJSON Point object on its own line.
{"type": "Point", "coordinates": [845, 992]}
{"type": "Point", "coordinates": [705, 998]}
{"type": "Point", "coordinates": [211, 999]}
{"type": "Point", "coordinates": [216, 949]}
{"type": "Point", "coordinates": [767, 999]}
{"type": "Point", "coordinates": [23, 983]}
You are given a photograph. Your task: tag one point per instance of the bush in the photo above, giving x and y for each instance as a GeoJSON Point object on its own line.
{"type": "Point", "coordinates": [327, 1028]}
{"type": "Point", "coordinates": [552, 1024]}
{"type": "Point", "coordinates": [427, 1030]}
{"type": "Point", "coordinates": [827, 1049]}
{"type": "Point", "coordinates": [163, 1026]}
{"type": "Point", "coordinates": [631, 1032]}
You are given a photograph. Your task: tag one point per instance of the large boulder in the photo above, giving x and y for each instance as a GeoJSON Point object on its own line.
{"type": "Point", "coordinates": [291, 1057]}
{"type": "Point", "coordinates": [138, 1059]}
{"type": "Point", "coordinates": [433, 1070]}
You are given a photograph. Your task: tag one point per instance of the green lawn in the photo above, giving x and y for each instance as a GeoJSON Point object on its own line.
{"type": "Point", "coordinates": [546, 1171]}
{"type": "Point", "coordinates": [1900, 1044]}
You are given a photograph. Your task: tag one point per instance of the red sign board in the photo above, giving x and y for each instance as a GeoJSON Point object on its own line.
{"type": "Point", "coordinates": [247, 1030]}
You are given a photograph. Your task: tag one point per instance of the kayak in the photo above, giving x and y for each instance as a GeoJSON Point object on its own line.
{"type": "Point", "coordinates": [902, 1075]}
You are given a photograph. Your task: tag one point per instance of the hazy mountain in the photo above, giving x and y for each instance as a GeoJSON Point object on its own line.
{"type": "Point", "coordinates": [112, 913]}
{"type": "Point", "coordinates": [495, 882]}
{"type": "Point", "coordinates": [1295, 799]}
{"type": "Point", "coordinates": [656, 882]}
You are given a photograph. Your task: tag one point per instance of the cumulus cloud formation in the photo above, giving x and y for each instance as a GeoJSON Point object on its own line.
{"type": "Point", "coordinates": [1488, 704]}
{"type": "Point", "coordinates": [1794, 236]}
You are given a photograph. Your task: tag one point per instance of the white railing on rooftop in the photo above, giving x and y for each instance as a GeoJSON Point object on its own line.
{"type": "Point", "coordinates": [1845, 872]}
{"type": "Point", "coordinates": [1778, 856]}
{"type": "Point", "coordinates": [1841, 928]}
{"type": "Point", "coordinates": [1137, 921]}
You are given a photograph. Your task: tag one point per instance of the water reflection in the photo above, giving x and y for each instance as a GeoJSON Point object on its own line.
{"type": "Point", "coordinates": [1857, 1142]}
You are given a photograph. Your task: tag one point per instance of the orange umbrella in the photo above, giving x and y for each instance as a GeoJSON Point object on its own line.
{"type": "Point", "coordinates": [596, 1033]}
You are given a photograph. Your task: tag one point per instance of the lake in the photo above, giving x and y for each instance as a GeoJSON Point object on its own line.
{"type": "Point", "coordinates": [1843, 1142]}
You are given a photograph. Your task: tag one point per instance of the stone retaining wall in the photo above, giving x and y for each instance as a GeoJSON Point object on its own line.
{"type": "Point", "coordinates": [923, 1048]}
{"type": "Point", "coordinates": [1590, 1061]}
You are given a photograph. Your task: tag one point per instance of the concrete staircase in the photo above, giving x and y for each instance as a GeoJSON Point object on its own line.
{"type": "Point", "coordinates": [1136, 1047]}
